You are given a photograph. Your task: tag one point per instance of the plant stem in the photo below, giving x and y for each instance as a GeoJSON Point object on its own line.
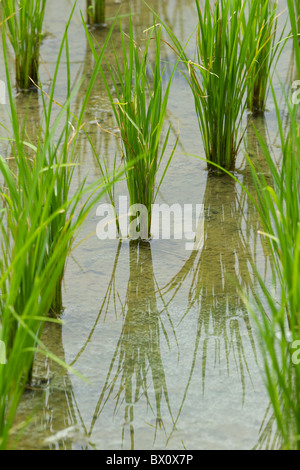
{"type": "Point", "coordinates": [95, 12]}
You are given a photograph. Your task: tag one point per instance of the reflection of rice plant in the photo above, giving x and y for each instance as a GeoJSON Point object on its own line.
{"type": "Point", "coordinates": [138, 349]}
{"type": "Point", "coordinates": [140, 109]}
{"type": "Point", "coordinates": [50, 407]}
{"type": "Point", "coordinates": [269, 438]}
{"type": "Point", "coordinates": [214, 276]}
{"type": "Point", "coordinates": [25, 22]}
{"type": "Point", "coordinates": [95, 12]}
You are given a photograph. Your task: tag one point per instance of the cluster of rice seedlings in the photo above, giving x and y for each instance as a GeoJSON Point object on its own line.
{"type": "Point", "coordinates": [25, 34]}
{"type": "Point", "coordinates": [235, 50]}
{"type": "Point", "coordinates": [139, 103]}
{"type": "Point", "coordinates": [56, 151]}
{"type": "Point", "coordinates": [224, 69]}
{"type": "Point", "coordinates": [263, 41]}
{"type": "Point", "coordinates": [95, 12]}
{"type": "Point", "coordinates": [226, 60]}
{"type": "Point", "coordinates": [40, 220]}
{"type": "Point", "coordinates": [219, 78]}
{"type": "Point", "coordinates": [20, 329]}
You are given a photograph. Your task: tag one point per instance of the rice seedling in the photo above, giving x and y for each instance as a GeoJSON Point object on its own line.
{"type": "Point", "coordinates": [95, 10]}
{"type": "Point", "coordinates": [297, 13]}
{"type": "Point", "coordinates": [25, 22]}
{"type": "Point", "coordinates": [28, 280]}
{"type": "Point", "coordinates": [139, 103]}
{"type": "Point", "coordinates": [40, 220]}
{"type": "Point", "coordinates": [279, 308]}
{"type": "Point", "coordinates": [276, 310]}
{"type": "Point", "coordinates": [263, 41]}
{"type": "Point", "coordinates": [220, 78]}
{"type": "Point", "coordinates": [277, 313]}
{"type": "Point", "coordinates": [220, 75]}
{"type": "Point", "coordinates": [56, 162]}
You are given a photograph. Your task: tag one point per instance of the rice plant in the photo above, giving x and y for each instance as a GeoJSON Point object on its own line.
{"type": "Point", "coordinates": [263, 40]}
{"type": "Point", "coordinates": [25, 23]}
{"type": "Point", "coordinates": [95, 12]}
{"type": "Point", "coordinates": [39, 222]}
{"type": "Point", "coordinates": [297, 13]}
{"type": "Point", "coordinates": [220, 78]}
{"type": "Point", "coordinates": [279, 320]}
{"type": "Point", "coordinates": [220, 75]}
{"type": "Point", "coordinates": [28, 280]}
{"type": "Point", "coordinates": [139, 103]}
{"type": "Point", "coordinates": [55, 158]}
{"type": "Point", "coordinates": [277, 310]}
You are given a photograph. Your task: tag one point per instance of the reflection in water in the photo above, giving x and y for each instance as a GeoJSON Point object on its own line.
{"type": "Point", "coordinates": [217, 274]}
{"type": "Point", "coordinates": [50, 399]}
{"type": "Point", "coordinates": [137, 358]}
{"type": "Point", "coordinates": [269, 438]}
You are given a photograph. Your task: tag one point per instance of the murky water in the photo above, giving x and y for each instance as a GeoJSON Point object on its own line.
{"type": "Point", "coordinates": [169, 351]}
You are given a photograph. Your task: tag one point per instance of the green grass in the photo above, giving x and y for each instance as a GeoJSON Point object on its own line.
{"type": "Point", "coordinates": [25, 25]}
{"type": "Point", "coordinates": [55, 159]}
{"type": "Point", "coordinates": [139, 102]}
{"type": "Point", "coordinates": [225, 72]}
{"type": "Point", "coordinates": [95, 12]}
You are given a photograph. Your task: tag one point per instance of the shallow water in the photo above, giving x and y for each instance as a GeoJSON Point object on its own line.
{"type": "Point", "coordinates": [170, 352]}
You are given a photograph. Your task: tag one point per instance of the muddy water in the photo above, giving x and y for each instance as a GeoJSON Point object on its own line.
{"type": "Point", "coordinates": [169, 352]}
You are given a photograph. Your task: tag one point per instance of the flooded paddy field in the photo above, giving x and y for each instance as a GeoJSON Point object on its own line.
{"type": "Point", "coordinates": [169, 353]}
